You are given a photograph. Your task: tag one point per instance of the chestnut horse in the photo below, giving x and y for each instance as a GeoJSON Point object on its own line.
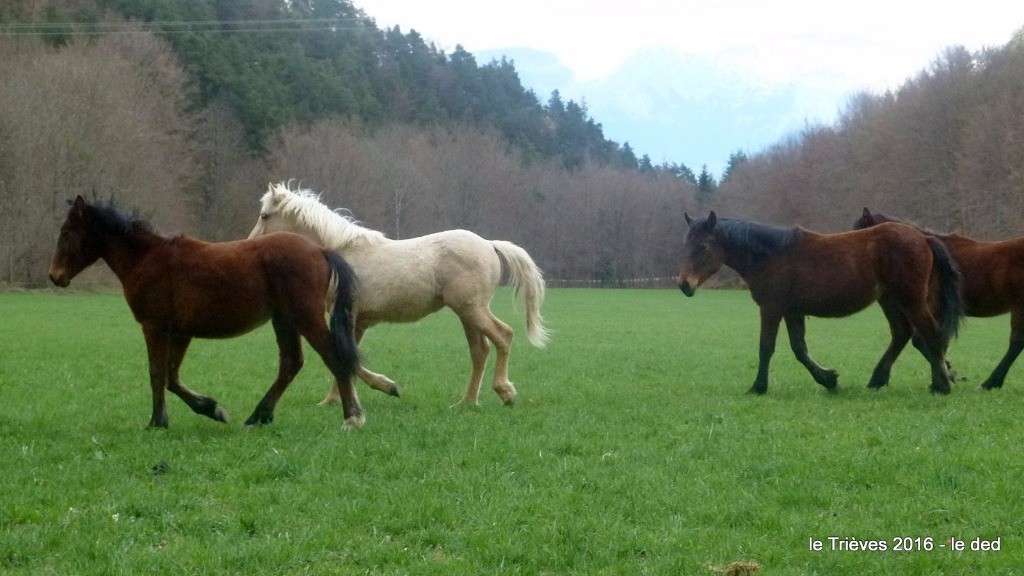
{"type": "Point", "coordinates": [993, 275]}
{"type": "Point", "coordinates": [181, 288]}
{"type": "Point", "coordinates": [793, 273]}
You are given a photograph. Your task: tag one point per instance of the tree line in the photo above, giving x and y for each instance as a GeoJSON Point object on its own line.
{"type": "Point", "coordinates": [945, 149]}
{"type": "Point", "coordinates": [276, 62]}
{"type": "Point", "coordinates": [188, 123]}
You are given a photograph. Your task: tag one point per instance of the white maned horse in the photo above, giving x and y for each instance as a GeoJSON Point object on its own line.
{"type": "Point", "coordinates": [404, 280]}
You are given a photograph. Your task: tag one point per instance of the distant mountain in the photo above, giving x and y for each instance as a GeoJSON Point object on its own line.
{"type": "Point", "coordinates": [675, 108]}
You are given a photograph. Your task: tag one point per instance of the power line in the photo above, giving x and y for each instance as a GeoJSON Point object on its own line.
{"type": "Point", "coordinates": [184, 27]}
{"type": "Point", "coordinates": [181, 22]}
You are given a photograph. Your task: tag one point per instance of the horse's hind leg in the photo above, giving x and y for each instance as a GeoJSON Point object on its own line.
{"type": "Point", "coordinates": [481, 320]}
{"type": "Point", "coordinates": [290, 348]}
{"type": "Point", "coordinates": [796, 326]}
{"type": "Point", "coordinates": [199, 404]}
{"type": "Point", "coordinates": [995, 380]}
{"type": "Point", "coordinates": [320, 338]}
{"type": "Point", "coordinates": [372, 379]}
{"type": "Point", "coordinates": [915, 340]}
{"type": "Point", "coordinates": [927, 328]}
{"type": "Point", "coordinates": [900, 332]}
{"type": "Point", "coordinates": [478, 351]}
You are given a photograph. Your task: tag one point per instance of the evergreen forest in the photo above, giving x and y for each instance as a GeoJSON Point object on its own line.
{"type": "Point", "coordinates": [186, 109]}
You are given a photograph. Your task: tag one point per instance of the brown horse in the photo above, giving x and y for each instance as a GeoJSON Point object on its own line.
{"type": "Point", "coordinates": [793, 273]}
{"type": "Point", "coordinates": [181, 288]}
{"type": "Point", "coordinates": [993, 277]}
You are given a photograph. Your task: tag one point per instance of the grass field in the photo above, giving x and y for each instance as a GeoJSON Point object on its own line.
{"type": "Point", "coordinates": [633, 449]}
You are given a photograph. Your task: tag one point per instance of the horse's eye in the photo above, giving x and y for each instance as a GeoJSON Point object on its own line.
{"type": "Point", "coordinates": [264, 216]}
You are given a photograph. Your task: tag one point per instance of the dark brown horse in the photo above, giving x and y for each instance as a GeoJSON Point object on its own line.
{"type": "Point", "coordinates": [993, 277]}
{"type": "Point", "coordinates": [181, 288]}
{"type": "Point", "coordinates": [793, 273]}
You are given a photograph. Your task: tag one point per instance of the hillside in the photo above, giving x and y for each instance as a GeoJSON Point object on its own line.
{"type": "Point", "coordinates": [186, 110]}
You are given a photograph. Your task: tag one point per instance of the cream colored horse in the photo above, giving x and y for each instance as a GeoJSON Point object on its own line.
{"type": "Point", "coordinates": [405, 280]}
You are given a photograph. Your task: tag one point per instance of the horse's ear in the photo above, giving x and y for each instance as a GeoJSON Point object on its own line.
{"type": "Point", "coordinates": [78, 204]}
{"type": "Point", "coordinates": [712, 220]}
{"type": "Point", "coordinates": [689, 221]}
{"type": "Point", "coordinates": [866, 214]}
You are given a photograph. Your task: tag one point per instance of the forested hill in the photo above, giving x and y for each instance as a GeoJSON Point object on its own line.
{"type": "Point", "coordinates": [278, 61]}
{"type": "Point", "coordinates": [186, 109]}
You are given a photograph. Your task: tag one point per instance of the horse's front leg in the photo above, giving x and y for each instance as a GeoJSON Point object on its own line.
{"type": "Point", "coordinates": [158, 350]}
{"type": "Point", "coordinates": [796, 326]}
{"type": "Point", "coordinates": [769, 333]}
{"type": "Point", "coordinates": [198, 403]}
{"type": "Point", "coordinates": [995, 380]}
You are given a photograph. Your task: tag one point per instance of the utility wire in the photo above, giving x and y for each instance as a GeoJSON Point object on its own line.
{"type": "Point", "coordinates": [184, 27]}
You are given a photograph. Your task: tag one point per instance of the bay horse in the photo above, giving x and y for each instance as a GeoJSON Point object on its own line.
{"type": "Point", "coordinates": [793, 273]}
{"type": "Point", "coordinates": [179, 288]}
{"type": "Point", "coordinates": [993, 283]}
{"type": "Point", "coordinates": [405, 280]}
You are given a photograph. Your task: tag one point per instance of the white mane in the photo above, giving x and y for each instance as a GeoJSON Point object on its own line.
{"type": "Point", "coordinates": [304, 207]}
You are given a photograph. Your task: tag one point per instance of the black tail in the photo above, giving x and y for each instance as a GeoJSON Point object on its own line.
{"type": "Point", "coordinates": [951, 299]}
{"type": "Point", "coordinates": [343, 320]}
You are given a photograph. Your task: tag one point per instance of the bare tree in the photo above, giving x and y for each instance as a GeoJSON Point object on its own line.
{"type": "Point", "coordinates": [102, 118]}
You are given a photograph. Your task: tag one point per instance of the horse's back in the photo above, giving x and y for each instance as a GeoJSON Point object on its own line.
{"type": "Point", "coordinates": [993, 273]}
{"type": "Point", "coordinates": [225, 289]}
{"type": "Point", "coordinates": [404, 280]}
{"type": "Point", "coordinates": [835, 275]}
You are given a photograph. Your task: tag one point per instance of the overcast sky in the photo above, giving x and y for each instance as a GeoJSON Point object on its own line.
{"type": "Point", "coordinates": [831, 48]}
{"type": "Point", "coordinates": [868, 45]}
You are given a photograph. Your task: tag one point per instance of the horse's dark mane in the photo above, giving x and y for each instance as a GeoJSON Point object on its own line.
{"type": "Point", "coordinates": [128, 224]}
{"type": "Point", "coordinates": [753, 237]}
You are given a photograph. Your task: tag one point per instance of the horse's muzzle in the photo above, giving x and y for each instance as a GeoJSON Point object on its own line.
{"type": "Point", "coordinates": [686, 288]}
{"type": "Point", "coordinates": [59, 278]}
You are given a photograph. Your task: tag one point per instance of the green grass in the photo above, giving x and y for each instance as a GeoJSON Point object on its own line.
{"type": "Point", "coordinates": [633, 449]}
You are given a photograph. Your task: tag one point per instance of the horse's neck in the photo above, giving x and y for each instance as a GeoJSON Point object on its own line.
{"type": "Point", "coordinates": [744, 263]}
{"type": "Point", "coordinates": [123, 255]}
{"type": "Point", "coordinates": [748, 264]}
{"type": "Point", "coordinates": [341, 234]}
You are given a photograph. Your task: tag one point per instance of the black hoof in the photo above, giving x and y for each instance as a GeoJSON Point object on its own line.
{"type": "Point", "coordinates": [394, 391]}
{"type": "Point", "coordinates": [940, 390]}
{"type": "Point", "coordinates": [757, 391]}
{"type": "Point", "coordinates": [990, 386]}
{"type": "Point", "coordinates": [259, 419]}
{"type": "Point", "coordinates": [157, 424]}
{"type": "Point", "coordinates": [878, 384]}
{"type": "Point", "coordinates": [830, 380]}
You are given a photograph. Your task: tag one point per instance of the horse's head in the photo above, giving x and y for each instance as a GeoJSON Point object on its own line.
{"type": "Point", "coordinates": [702, 253]}
{"type": "Point", "coordinates": [272, 218]}
{"type": "Point", "coordinates": [78, 246]}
